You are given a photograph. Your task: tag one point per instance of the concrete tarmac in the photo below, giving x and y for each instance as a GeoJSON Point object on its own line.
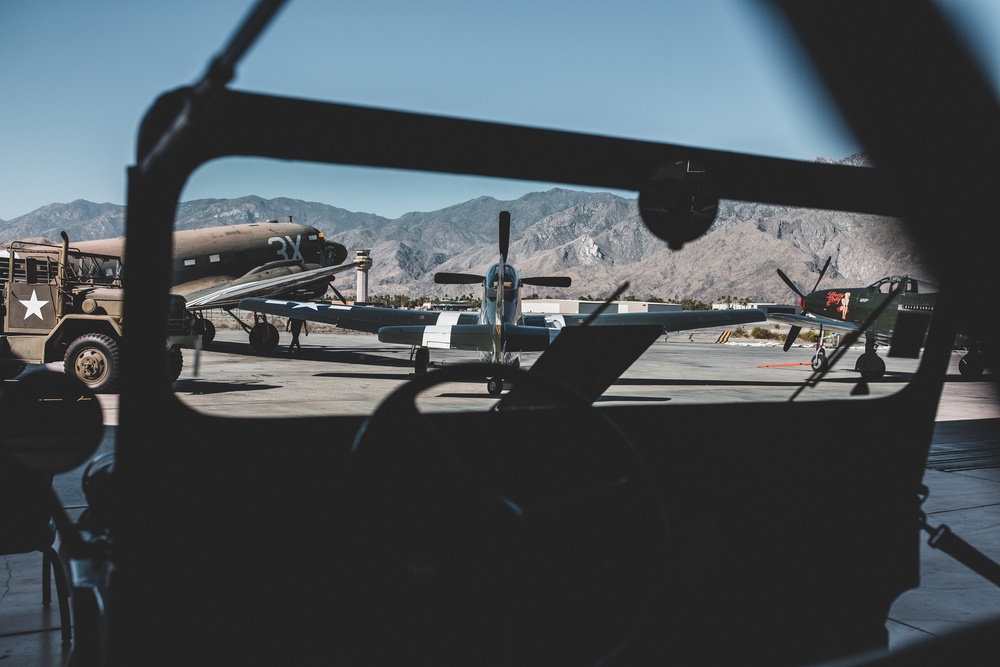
{"type": "Point", "coordinates": [350, 373]}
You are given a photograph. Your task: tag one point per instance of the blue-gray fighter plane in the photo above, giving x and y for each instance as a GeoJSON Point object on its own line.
{"type": "Point", "coordinates": [499, 331]}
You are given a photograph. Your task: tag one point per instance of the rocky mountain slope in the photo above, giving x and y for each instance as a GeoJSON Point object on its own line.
{"type": "Point", "coordinates": [598, 239]}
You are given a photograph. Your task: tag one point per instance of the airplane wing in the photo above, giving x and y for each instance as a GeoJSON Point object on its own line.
{"type": "Point", "coordinates": [357, 318]}
{"type": "Point", "coordinates": [814, 322]}
{"type": "Point", "coordinates": [434, 329]}
{"type": "Point", "coordinates": [474, 337]}
{"type": "Point", "coordinates": [230, 294]}
{"type": "Point", "coordinates": [670, 320]}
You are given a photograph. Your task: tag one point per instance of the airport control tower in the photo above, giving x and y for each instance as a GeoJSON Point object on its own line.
{"type": "Point", "coordinates": [364, 262]}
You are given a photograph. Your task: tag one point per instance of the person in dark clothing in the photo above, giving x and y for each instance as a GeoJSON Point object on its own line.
{"type": "Point", "coordinates": [296, 326]}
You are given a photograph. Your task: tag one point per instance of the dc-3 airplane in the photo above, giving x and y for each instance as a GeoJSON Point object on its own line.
{"type": "Point", "coordinates": [215, 267]}
{"type": "Point", "coordinates": [500, 332]}
{"type": "Point", "coordinates": [893, 311]}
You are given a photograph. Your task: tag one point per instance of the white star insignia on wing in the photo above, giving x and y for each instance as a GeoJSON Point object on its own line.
{"type": "Point", "coordinates": [33, 306]}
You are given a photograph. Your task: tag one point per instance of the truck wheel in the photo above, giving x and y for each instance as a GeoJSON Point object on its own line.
{"type": "Point", "coordinates": [9, 371]}
{"type": "Point", "coordinates": [93, 358]}
{"type": "Point", "coordinates": [175, 362]}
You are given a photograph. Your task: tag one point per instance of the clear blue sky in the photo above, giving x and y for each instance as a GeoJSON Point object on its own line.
{"type": "Point", "coordinates": [76, 77]}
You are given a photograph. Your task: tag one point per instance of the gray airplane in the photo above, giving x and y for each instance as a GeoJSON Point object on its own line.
{"type": "Point", "coordinates": [499, 331]}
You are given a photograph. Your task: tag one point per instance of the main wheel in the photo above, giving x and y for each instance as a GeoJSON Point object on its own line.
{"type": "Point", "coordinates": [971, 365]}
{"type": "Point", "coordinates": [460, 547]}
{"type": "Point", "coordinates": [94, 359]}
{"type": "Point", "coordinates": [206, 330]}
{"type": "Point", "coordinates": [421, 359]}
{"type": "Point", "coordinates": [264, 338]}
{"type": "Point", "coordinates": [870, 365]}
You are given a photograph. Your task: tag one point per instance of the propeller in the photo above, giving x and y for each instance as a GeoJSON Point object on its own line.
{"type": "Point", "coordinates": [549, 281]}
{"type": "Point", "coordinates": [793, 332]}
{"type": "Point", "coordinates": [504, 234]}
{"type": "Point", "coordinates": [447, 278]}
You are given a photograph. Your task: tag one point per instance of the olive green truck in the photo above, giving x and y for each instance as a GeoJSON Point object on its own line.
{"type": "Point", "coordinates": [63, 305]}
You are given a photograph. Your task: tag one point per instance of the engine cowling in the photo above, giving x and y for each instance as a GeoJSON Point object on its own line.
{"type": "Point", "coordinates": [334, 253]}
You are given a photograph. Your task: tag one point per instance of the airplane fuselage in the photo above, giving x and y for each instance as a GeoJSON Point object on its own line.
{"type": "Point", "coordinates": [236, 250]}
{"type": "Point", "coordinates": [501, 307]}
{"type": "Point", "coordinates": [856, 304]}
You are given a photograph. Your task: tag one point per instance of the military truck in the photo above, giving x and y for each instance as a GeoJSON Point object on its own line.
{"type": "Point", "coordinates": [63, 305]}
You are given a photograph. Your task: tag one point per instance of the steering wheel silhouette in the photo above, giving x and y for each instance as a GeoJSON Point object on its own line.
{"type": "Point", "coordinates": [468, 541]}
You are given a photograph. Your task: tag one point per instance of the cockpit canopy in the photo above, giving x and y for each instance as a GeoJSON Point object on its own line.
{"type": "Point", "coordinates": [510, 282]}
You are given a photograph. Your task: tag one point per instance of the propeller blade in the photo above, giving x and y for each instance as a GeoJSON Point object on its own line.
{"type": "Point", "coordinates": [822, 273]}
{"type": "Point", "coordinates": [781, 274]}
{"type": "Point", "coordinates": [549, 281]}
{"type": "Point", "coordinates": [793, 333]}
{"type": "Point", "coordinates": [445, 278]}
{"type": "Point", "coordinates": [504, 234]}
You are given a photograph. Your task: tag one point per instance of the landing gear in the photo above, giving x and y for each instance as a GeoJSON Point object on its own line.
{"type": "Point", "coordinates": [206, 330]}
{"type": "Point", "coordinates": [972, 364]}
{"type": "Point", "coordinates": [819, 361]}
{"type": "Point", "coordinates": [263, 335]}
{"type": "Point", "coordinates": [870, 365]}
{"type": "Point", "coordinates": [494, 386]}
{"type": "Point", "coordinates": [421, 358]}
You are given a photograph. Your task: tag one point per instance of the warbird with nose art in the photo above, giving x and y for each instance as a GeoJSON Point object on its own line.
{"type": "Point", "coordinates": [894, 311]}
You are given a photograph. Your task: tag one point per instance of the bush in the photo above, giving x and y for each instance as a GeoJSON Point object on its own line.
{"type": "Point", "coordinates": [760, 333]}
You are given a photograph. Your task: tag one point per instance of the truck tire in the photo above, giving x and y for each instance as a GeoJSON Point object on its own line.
{"type": "Point", "coordinates": [93, 358]}
{"type": "Point", "coordinates": [175, 361]}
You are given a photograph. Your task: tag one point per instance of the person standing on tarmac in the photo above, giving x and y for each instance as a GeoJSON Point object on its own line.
{"type": "Point", "coordinates": [296, 325]}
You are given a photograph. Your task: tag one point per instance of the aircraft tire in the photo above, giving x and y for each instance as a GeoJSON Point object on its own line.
{"type": "Point", "coordinates": [206, 330]}
{"type": "Point", "coordinates": [971, 365]}
{"type": "Point", "coordinates": [819, 362]}
{"type": "Point", "coordinates": [94, 359]}
{"type": "Point", "coordinates": [494, 386]}
{"type": "Point", "coordinates": [9, 371]}
{"type": "Point", "coordinates": [264, 338]}
{"type": "Point", "coordinates": [421, 359]}
{"type": "Point", "coordinates": [871, 366]}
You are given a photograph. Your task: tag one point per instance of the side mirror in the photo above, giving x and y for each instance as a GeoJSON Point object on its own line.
{"type": "Point", "coordinates": [49, 421]}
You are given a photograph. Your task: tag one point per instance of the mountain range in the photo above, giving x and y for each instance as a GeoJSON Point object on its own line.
{"type": "Point", "coordinates": [597, 238]}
